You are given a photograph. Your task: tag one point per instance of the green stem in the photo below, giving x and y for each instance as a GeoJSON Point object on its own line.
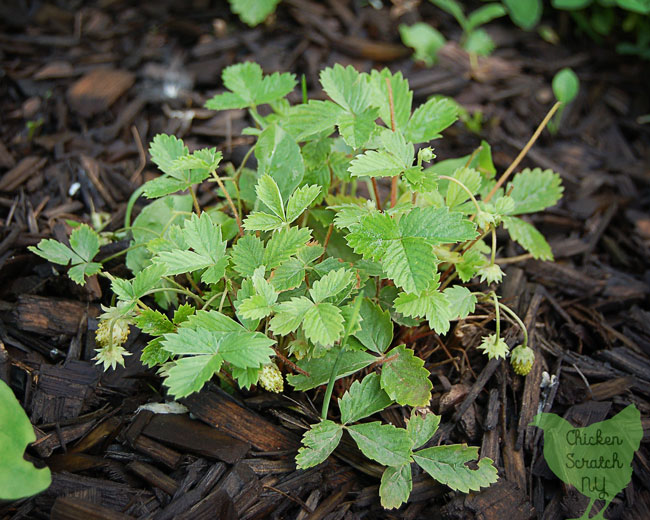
{"type": "Point", "coordinates": [120, 253]}
{"type": "Point", "coordinates": [494, 244]}
{"type": "Point", "coordinates": [497, 316]}
{"type": "Point", "coordinates": [465, 188]}
{"type": "Point", "coordinates": [514, 316]}
{"type": "Point", "coordinates": [129, 206]}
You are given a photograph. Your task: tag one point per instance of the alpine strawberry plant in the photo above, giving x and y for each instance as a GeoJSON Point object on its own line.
{"type": "Point", "coordinates": [309, 261]}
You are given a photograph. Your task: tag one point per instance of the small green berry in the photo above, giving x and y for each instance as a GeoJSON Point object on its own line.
{"type": "Point", "coordinates": [271, 378]}
{"type": "Point", "coordinates": [522, 359]}
{"type": "Point", "coordinates": [120, 332]}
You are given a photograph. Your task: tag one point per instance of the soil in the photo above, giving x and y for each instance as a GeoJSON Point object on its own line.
{"type": "Point", "coordinates": [84, 86]}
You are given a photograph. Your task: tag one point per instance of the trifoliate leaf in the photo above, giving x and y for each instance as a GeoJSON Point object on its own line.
{"type": "Point", "coordinates": [424, 40]}
{"type": "Point", "coordinates": [247, 255]}
{"type": "Point", "coordinates": [55, 252]}
{"type": "Point", "coordinates": [279, 156]}
{"type": "Point", "coordinates": [430, 303]}
{"type": "Point", "coordinates": [323, 324]}
{"type": "Point", "coordinates": [402, 97]}
{"type": "Point", "coordinates": [534, 190]}
{"type": "Point", "coordinates": [331, 284]}
{"type": "Point", "coordinates": [447, 464]}
{"type": "Point", "coordinates": [410, 263]}
{"type": "Point", "coordinates": [404, 378]}
{"type": "Point", "coordinates": [85, 242]}
{"type": "Point", "coordinates": [206, 160]}
{"type": "Point", "coordinates": [461, 301]}
{"type": "Point", "coordinates": [153, 354]}
{"type": "Point", "coordinates": [300, 200]}
{"type": "Point", "coordinates": [247, 349]}
{"type": "Point", "coordinates": [396, 485]}
{"type": "Point", "coordinates": [528, 237]}
{"type": "Point", "coordinates": [376, 332]}
{"type": "Point", "coordinates": [18, 477]}
{"type": "Point", "coordinates": [154, 323]}
{"type": "Point", "coordinates": [439, 225]}
{"type": "Point", "coordinates": [374, 163]}
{"type": "Point", "coordinates": [430, 119]}
{"type": "Point", "coordinates": [284, 244]}
{"type": "Point", "coordinates": [288, 275]}
{"type": "Point", "coordinates": [383, 443]}
{"type": "Point", "coordinates": [363, 399]}
{"type": "Point", "coordinates": [318, 443]}
{"type": "Point", "coordinates": [320, 369]}
{"type": "Point", "coordinates": [357, 129]}
{"type": "Point", "coordinates": [268, 192]}
{"type": "Point", "coordinates": [165, 150]}
{"type": "Point", "coordinates": [421, 428]}
{"type": "Point", "coordinates": [346, 87]}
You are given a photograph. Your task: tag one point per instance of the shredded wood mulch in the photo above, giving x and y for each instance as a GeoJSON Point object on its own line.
{"type": "Point", "coordinates": [85, 86]}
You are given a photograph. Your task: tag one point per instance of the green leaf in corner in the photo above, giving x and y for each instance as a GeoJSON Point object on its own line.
{"type": "Point", "coordinates": [376, 332]}
{"type": "Point", "coordinates": [383, 443]}
{"type": "Point", "coordinates": [318, 443]}
{"type": "Point", "coordinates": [421, 428]}
{"type": "Point", "coordinates": [528, 237]}
{"type": "Point", "coordinates": [534, 190]}
{"type": "Point", "coordinates": [363, 399]}
{"type": "Point", "coordinates": [396, 485]}
{"type": "Point", "coordinates": [447, 464]}
{"type": "Point", "coordinates": [18, 478]}
{"type": "Point", "coordinates": [404, 378]}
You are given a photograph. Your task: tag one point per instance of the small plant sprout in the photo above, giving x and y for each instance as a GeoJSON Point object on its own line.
{"type": "Point", "coordinates": [565, 88]}
{"type": "Point", "coordinates": [296, 268]}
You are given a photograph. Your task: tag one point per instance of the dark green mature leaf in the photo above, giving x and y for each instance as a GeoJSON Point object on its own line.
{"type": "Point", "coordinates": [279, 156]}
{"type": "Point", "coordinates": [404, 378]}
{"type": "Point", "coordinates": [439, 225]}
{"type": "Point", "coordinates": [189, 374]}
{"type": "Point", "coordinates": [363, 399]}
{"type": "Point", "coordinates": [396, 485]}
{"type": "Point", "coordinates": [430, 119]}
{"type": "Point", "coordinates": [283, 245]}
{"type": "Point", "coordinates": [375, 163]}
{"type": "Point", "coordinates": [447, 464]}
{"type": "Point", "coordinates": [18, 477]}
{"type": "Point", "coordinates": [383, 443]}
{"type": "Point", "coordinates": [376, 331]}
{"type": "Point", "coordinates": [320, 369]}
{"type": "Point", "coordinates": [247, 349]}
{"type": "Point", "coordinates": [318, 443]}
{"type": "Point", "coordinates": [534, 190]}
{"type": "Point", "coordinates": [528, 237]}
{"type": "Point", "coordinates": [410, 263]}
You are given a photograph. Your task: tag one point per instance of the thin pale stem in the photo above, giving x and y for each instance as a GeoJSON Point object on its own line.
{"type": "Point", "coordinates": [497, 316]}
{"type": "Point", "coordinates": [514, 259]}
{"type": "Point", "coordinates": [394, 180]}
{"type": "Point", "coordinates": [494, 244]}
{"type": "Point", "coordinates": [375, 189]}
{"type": "Point", "coordinates": [230, 202]}
{"type": "Point", "coordinates": [523, 152]}
{"type": "Point", "coordinates": [195, 201]}
{"type": "Point", "coordinates": [465, 189]}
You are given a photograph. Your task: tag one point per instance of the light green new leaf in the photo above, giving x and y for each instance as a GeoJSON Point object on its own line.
{"type": "Point", "coordinates": [320, 369]}
{"type": "Point", "coordinates": [279, 156]}
{"type": "Point", "coordinates": [347, 87]}
{"type": "Point", "coordinates": [188, 375]}
{"type": "Point", "coordinates": [214, 322]}
{"type": "Point", "coordinates": [318, 443]}
{"type": "Point", "coordinates": [396, 485]}
{"type": "Point", "coordinates": [247, 255]}
{"type": "Point", "coordinates": [289, 315]}
{"type": "Point", "coordinates": [357, 129]}
{"type": "Point", "coordinates": [483, 15]}
{"type": "Point", "coordinates": [260, 221]}
{"type": "Point", "coordinates": [525, 14]}
{"type": "Point", "coordinates": [154, 323]}
{"type": "Point", "coordinates": [363, 399]}
{"type": "Point", "coordinates": [430, 119]}
{"type": "Point", "coordinates": [372, 233]}
{"type": "Point", "coordinates": [402, 97]}
{"type": "Point", "coordinates": [383, 443]}
{"type": "Point", "coordinates": [85, 242]}
{"type": "Point", "coordinates": [528, 237]}
{"type": "Point", "coordinates": [424, 40]}
{"type": "Point", "coordinates": [430, 303]}
{"type": "Point", "coordinates": [565, 85]}
{"type": "Point", "coordinates": [479, 42]}
{"type": "Point", "coordinates": [18, 478]}
{"type": "Point", "coordinates": [288, 275]}
{"type": "Point", "coordinates": [461, 301]}
{"type": "Point", "coordinates": [268, 192]}
{"type": "Point", "coordinates": [323, 324]}
{"type": "Point", "coordinates": [376, 331]}
{"type": "Point", "coordinates": [331, 284]}
{"type": "Point", "coordinates": [260, 304]}
{"type": "Point", "coordinates": [207, 160]}
{"type": "Point", "coordinates": [456, 195]}
{"type": "Point", "coordinates": [284, 244]}
{"type": "Point", "coordinates": [55, 252]}
{"type": "Point", "coordinates": [146, 280]}
{"type": "Point", "coordinates": [300, 200]}
{"type": "Point", "coordinates": [421, 428]}
{"type": "Point", "coordinates": [447, 464]}
{"type": "Point", "coordinates": [405, 379]}
{"type": "Point", "coordinates": [164, 150]}
{"type": "Point", "coordinates": [534, 190]}
{"type": "Point", "coordinates": [189, 342]}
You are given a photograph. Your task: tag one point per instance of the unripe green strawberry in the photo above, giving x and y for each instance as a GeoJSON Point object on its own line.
{"type": "Point", "coordinates": [271, 378]}
{"type": "Point", "coordinates": [522, 359]}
